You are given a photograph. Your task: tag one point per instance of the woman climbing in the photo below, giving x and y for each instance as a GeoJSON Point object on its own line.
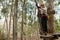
{"type": "Point", "coordinates": [44, 20]}
{"type": "Point", "coordinates": [42, 17]}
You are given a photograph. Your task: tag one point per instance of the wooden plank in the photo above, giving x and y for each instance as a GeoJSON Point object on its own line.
{"type": "Point", "coordinates": [46, 36]}
{"type": "Point", "coordinates": [56, 34]}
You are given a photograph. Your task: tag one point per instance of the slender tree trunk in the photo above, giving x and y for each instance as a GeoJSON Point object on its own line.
{"type": "Point", "coordinates": [22, 25]}
{"type": "Point", "coordinates": [11, 12]}
{"type": "Point", "coordinates": [9, 25]}
{"type": "Point", "coordinates": [23, 19]}
{"type": "Point", "coordinates": [9, 28]}
{"type": "Point", "coordinates": [6, 21]}
{"type": "Point", "coordinates": [4, 27]}
{"type": "Point", "coordinates": [15, 20]}
{"type": "Point", "coordinates": [30, 37]}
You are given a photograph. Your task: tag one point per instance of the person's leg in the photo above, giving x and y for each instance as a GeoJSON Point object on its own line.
{"type": "Point", "coordinates": [44, 26]}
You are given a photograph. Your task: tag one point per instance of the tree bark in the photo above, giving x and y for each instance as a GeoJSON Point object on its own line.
{"type": "Point", "coordinates": [51, 19]}
{"type": "Point", "coordinates": [15, 20]}
{"type": "Point", "coordinates": [11, 10]}
{"type": "Point", "coordinates": [23, 19]}
{"type": "Point", "coordinates": [6, 23]}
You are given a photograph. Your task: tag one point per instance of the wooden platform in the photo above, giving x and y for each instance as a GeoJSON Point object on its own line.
{"type": "Point", "coordinates": [54, 36]}
{"type": "Point", "coordinates": [46, 36]}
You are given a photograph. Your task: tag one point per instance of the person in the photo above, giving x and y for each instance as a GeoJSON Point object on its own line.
{"type": "Point", "coordinates": [42, 17]}
{"type": "Point", "coordinates": [44, 20]}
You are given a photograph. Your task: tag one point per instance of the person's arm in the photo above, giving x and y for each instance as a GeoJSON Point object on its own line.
{"type": "Point", "coordinates": [53, 11]}
{"type": "Point", "coordinates": [37, 4]}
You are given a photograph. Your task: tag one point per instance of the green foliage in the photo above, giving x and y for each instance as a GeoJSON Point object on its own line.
{"type": "Point", "coordinates": [29, 17]}
{"type": "Point", "coordinates": [3, 36]}
{"type": "Point", "coordinates": [4, 10]}
{"type": "Point", "coordinates": [29, 7]}
{"type": "Point", "coordinates": [59, 3]}
{"type": "Point", "coordinates": [1, 0]}
{"type": "Point", "coordinates": [0, 17]}
{"type": "Point", "coordinates": [28, 30]}
{"type": "Point", "coordinates": [57, 26]}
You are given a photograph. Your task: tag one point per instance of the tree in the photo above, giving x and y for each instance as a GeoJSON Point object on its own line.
{"type": "Point", "coordinates": [51, 19]}
{"type": "Point", "coordinates": [10, 16]}
{"type": "Point", "coordinates": [23, 18]}
{"type": "Point", "coordinates": [15, 20]}
{"type": "Point", "coordinates": [5, 14]}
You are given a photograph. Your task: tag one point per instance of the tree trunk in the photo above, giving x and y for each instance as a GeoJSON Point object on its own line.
{"type": "Point", "coordinates": [9, 28]}
{"type": "Point", "coordinates": [31, 26]}
{"type": "Point", "coordinates": [6, 23]}
{"type": "Point", "coordinates": [23, 19]}
{"type": "Point", "coordinates": [15, 20]}
{"type": "Point", "coordinates": [22, 27]}
{"type": "Point", "coordinates": [51, 19]}
{"type": "Point", "coordinates": [9, 24]}
{"type": "Point", "coordinates": [10, 21]}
